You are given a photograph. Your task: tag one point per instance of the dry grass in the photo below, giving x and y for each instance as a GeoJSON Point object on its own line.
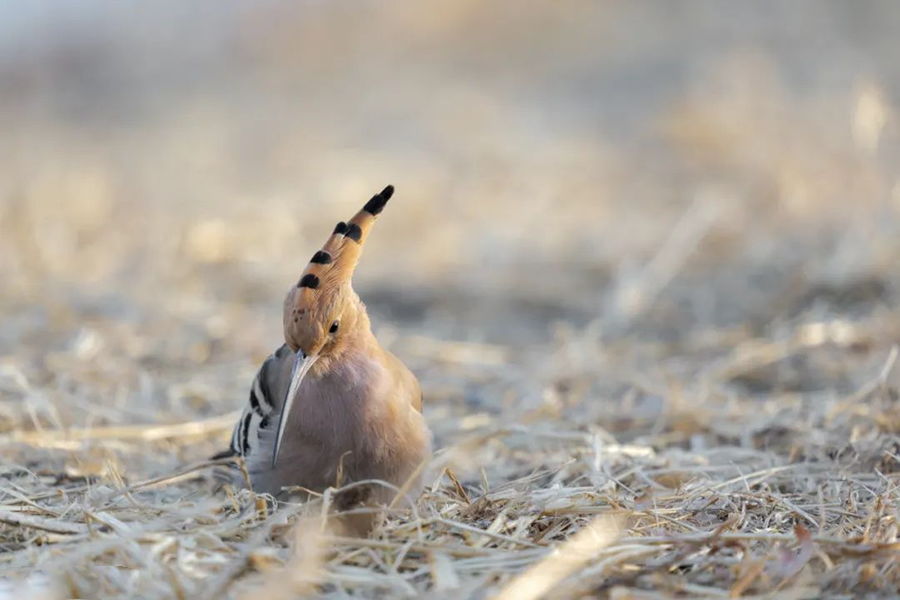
{"type": "Point", "coordinates": [656, 323]}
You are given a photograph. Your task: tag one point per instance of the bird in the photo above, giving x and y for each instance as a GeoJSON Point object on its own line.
{"type": "Point", "coordinates": [331, 406]}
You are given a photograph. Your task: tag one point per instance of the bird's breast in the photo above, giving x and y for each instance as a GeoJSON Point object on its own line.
{"type": "Point", "coordinates": [348, 423]}
{"type": "Point", "coordinates": [339, 414]}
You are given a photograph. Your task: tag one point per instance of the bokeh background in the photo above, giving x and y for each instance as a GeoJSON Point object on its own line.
{"type": "Point", "coordinates": [675, 222]}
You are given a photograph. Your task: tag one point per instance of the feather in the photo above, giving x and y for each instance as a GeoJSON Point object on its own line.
{"type": "Point", "coordinates": [263, 404]}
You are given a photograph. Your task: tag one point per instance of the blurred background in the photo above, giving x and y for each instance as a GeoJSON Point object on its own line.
{"type": "Point", "coordinates": [589, 193]}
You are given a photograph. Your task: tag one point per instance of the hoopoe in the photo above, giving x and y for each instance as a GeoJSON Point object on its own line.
{"type": "Point", "coordinates": [331, 406]}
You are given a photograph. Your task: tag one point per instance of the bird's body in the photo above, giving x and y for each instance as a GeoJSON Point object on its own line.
{"type": "Point", "coordinates": [348, 423]}
{"type": "Point", "coordinates": [331, 406]}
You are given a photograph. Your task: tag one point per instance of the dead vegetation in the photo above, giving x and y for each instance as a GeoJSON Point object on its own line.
{"type": "Point", "coordinates": [659, 358]}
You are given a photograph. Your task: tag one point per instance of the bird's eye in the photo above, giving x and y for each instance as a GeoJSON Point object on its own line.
{"type": "Point", "coordinates": [334, 327]}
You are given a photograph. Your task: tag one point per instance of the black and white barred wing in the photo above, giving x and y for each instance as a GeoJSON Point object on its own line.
{"type": "Point", "coordinates": [263, 407]}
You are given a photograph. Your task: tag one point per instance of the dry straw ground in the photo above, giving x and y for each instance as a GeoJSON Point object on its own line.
{"type": "Point", "coordinates": [644, 261]}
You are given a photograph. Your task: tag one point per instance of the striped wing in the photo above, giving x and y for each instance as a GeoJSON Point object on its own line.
{"type": "Point", "coordinates": [264, 405]}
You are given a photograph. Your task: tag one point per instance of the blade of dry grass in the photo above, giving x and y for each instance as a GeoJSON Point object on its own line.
{"type": "Point", "coordinates": [538, 580]}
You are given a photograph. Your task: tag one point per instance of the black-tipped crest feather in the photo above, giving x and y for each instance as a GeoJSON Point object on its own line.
{"type": "Point", "coordinates": [309, 280]}
{"type": "Point", "coordinates": [354, 232]}
{"type": "Point", "coordinates": [376, 204]}
{"type": "Point", "coordinates": [321, 258]}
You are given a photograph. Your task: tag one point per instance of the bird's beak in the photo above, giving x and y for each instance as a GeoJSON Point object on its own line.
{"type": "Point", "coordinates": [302, 364]}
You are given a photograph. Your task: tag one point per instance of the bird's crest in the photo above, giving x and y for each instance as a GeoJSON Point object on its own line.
{"type": "Point", "coordinates": [330, 269]}
{"type": "Point", "coordinates": [334, 263]}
